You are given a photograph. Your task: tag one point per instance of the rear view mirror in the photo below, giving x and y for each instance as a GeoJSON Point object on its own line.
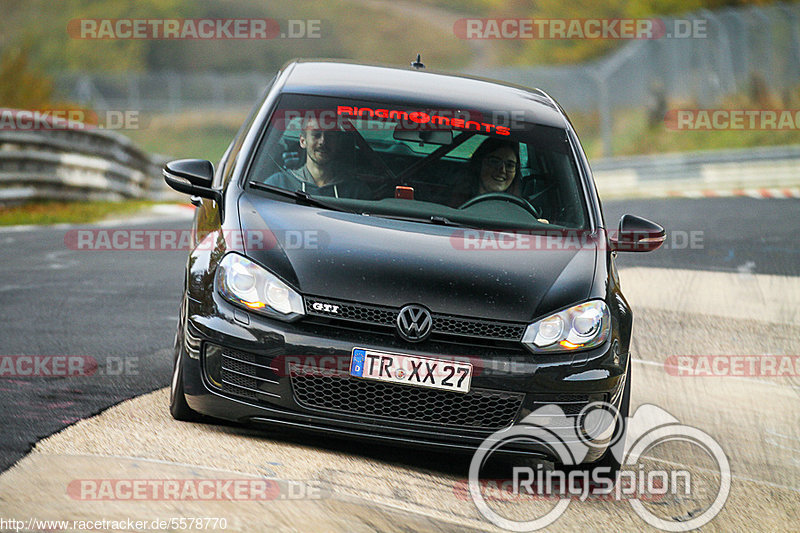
{"type": "Point", "coordinates": [441, 137]}
{"type": "Point", "coordinates": [191, 176]}
{"type": "Point", "coordinates": [636, 234]}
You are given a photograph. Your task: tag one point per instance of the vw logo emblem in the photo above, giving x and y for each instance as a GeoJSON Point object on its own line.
{"type": "Point", "coordinates": [414, 323]}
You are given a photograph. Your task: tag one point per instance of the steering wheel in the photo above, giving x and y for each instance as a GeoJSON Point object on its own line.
{"type": "Point", "coordinates": [506, 197]}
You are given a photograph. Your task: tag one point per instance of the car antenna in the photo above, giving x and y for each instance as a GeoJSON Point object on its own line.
{"type": "Point", "coordinates": [417, 64]}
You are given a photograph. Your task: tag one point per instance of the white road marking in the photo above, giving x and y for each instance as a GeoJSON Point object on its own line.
{"type": "Point", "coordinates": [746, 268]}
{"type": "Point", "coordinates": [782, 447]}
{"type": "Point", "coordinates": [781, 435]}
{"type": "Point", "coordinates": [55, 262]}
{"type": "Point", "coordinates": [734, 476]}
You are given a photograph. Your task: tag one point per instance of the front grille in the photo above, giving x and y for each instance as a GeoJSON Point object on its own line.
{"type": "Point", "coordinates": [385, 317]}
{"type": "Point", "coordinates": [368, 314]}
{"type": "Point", "coordinates": [340, 393]}
{"type": "Point", "coordinates": [477, 328]}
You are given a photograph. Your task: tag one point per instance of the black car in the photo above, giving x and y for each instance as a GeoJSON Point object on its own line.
{"type": "Point", "coordinates": [401, 255]}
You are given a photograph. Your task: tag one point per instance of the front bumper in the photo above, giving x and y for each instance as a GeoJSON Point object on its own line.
{"type": "Point", "coordinates": [263, 361]}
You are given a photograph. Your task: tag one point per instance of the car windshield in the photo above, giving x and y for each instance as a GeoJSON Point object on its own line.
{"type": "Point", "coordinates": [420, 163]}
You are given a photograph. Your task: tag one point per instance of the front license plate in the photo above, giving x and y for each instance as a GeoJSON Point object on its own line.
{"type": "Point", "coordinates": [411, 370]}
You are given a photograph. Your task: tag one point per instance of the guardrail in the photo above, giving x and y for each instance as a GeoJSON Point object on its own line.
{"type": "Point", "coordinates": [76, 164]}
{"type": "Point", "coordinates": [81, 164]}
{"type": "Point", "coordinates": [708, 173]}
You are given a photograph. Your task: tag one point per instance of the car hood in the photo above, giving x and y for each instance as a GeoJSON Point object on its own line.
{"type": "Point", "coordinates": [388, 262]}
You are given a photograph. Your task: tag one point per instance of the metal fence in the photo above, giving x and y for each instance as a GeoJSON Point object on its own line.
{"type": "Point", "coordinates": [739, 47]}
{"type": "Point", "coordinates": [162, 91]}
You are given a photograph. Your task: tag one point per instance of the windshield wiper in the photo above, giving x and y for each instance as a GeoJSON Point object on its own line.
{"type": "Point", "coordinates": [434, 219]}
{"type": "Point", "coordinates": [444, 221]}
{"type": "Point", "coordinates": [300, 197]}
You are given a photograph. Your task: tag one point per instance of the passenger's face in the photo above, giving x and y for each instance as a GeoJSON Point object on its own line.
{"type": "Point", "coordinates": [498, 169]}
{"type": "Point", "coordinates": [320, 145]}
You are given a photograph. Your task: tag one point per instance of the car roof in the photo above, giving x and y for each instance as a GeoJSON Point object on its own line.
{"type": "Point", "coordinates": [424, 87]}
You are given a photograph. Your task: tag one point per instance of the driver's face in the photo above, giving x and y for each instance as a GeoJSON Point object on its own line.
{"type": "Point", "coordinates": [498, 170]}
{"type": "Point", "coordinates": [320, 145]}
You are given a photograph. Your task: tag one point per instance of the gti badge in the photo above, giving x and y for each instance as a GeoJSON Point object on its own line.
{"type": "Point", "coordinates": [325, 308]}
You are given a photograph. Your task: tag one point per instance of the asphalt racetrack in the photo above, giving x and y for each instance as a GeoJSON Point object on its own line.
{"type": "Point", "coordinates": [727, 283]}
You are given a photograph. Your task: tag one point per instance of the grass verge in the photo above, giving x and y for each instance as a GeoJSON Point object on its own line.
{"type": "Point", "coordinates": [633, 134]}
{"type": "Point", "coordinates": [52, 212]}
{"type": "Point", "coordinates": [190, 134]}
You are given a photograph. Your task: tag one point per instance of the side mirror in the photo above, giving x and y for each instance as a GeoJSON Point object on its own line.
{"type": "Point", "coordinates": [191, 176]}
{"type": "Point", "coordinates": [637, 234]}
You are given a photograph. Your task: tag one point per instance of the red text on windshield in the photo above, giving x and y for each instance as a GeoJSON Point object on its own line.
{"type": "Point", "coordinates": [422, 118]}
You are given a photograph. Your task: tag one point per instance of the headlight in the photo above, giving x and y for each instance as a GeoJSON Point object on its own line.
{"type": "Point", "coordinates": [245, 283]}
{"type": "Point", "coordinates": [583, 326]}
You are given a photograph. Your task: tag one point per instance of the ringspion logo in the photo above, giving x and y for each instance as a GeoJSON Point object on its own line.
{"type": "Point", "coordinates": [572, 438]}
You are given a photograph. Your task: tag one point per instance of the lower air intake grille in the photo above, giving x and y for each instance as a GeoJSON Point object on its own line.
{"type": "Point", "coordinates": [241, 373]}
{"type": "Point", "coordinates": [570, 404]}
{"type": "Point", "coordinates": [340, 393]}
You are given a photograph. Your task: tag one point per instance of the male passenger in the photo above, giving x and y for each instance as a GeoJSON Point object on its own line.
{"type": "Point", "coordinates": [323, 173]}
